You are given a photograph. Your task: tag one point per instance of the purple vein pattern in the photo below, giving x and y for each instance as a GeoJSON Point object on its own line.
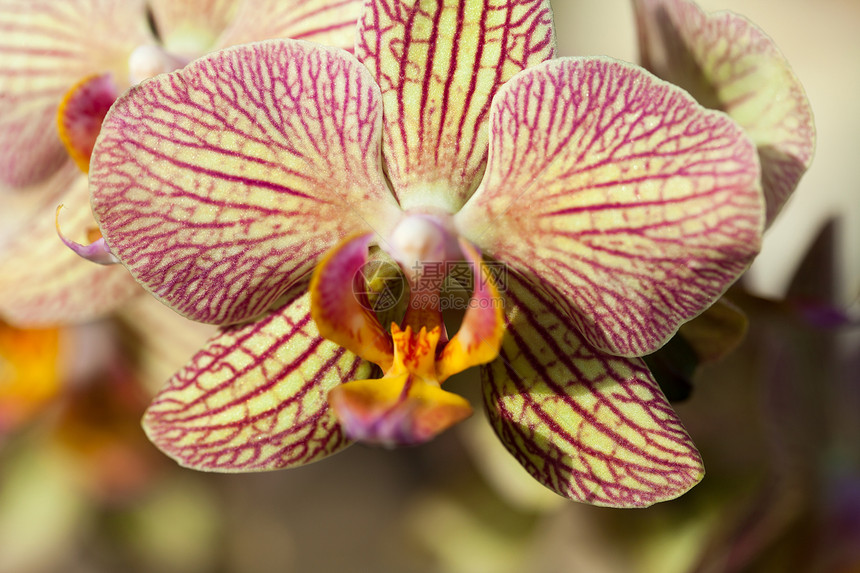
{"type": "Point", "coordinates": [633, 205]}
{"type": "Point", "coordinates": [727, 63]}
{"type": "Point", "coordinates": [591, 427]}
{"type": "Point", "coordinates": [255, 398]}
{"type": "Point", "coordinates": [438, 65]}
{"type": "Point", "coordinates": [222, 184]}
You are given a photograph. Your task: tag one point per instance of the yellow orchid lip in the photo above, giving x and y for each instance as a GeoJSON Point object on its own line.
{"type": "Point", "coordinates": [406, 405]}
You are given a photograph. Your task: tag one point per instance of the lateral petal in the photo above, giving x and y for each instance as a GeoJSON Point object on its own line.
{"type": "Point", "coordinates": [439, 65]}
{"type": "Point", "coordinates": [255, 398]}
{"type": "Point", "coordinates": [326, 22]}
{"type": "Point", "coordinates": [591, 427]}
{"type": "Point", "coordinates": [221, 184]}
{"type": "Point", "coordinates": [728, 63]}
{"type": "Point", "coordinates": [46, 47]}
{"type": "Point", "coordinates": [632, 204]}
{"type": "Point", "coordinates": [44, 283]}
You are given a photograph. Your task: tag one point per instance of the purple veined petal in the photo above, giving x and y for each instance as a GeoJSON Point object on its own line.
{"type": "Point", "coordinates": [439, 64]}
{"type": "Point", "coordinates": [327, 22]}
{"type": "Point", "coordinates": [255, 397]}
{"type": "Point", "coordinates": [728, 63]}
{"type": "Point", "coordinates": [591, 427]}
{"type": "Point", "coordinates": [630, 203]}
{"type": "Point", "coordinates": [43, 283]}
{"type": "Point", "coordinates": [190, 28]}
{"type": "Point", "coordinates": [46, 47]}
{"type": "Point", "coordinates": [221, 184]}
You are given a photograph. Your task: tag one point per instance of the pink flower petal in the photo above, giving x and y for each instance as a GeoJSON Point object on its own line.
{"type": "Point", "coordinates": [632, 204]}
{"type": "Point", "coordinates": [591, 427]}
{"type": "Point", "coordinates": [222, 184]}
{"type": "Point", "coordinates": [327, 22]}
{"type": "Point", "coordinates": [255, 397]}
{"type": "Point", "coordinates": [46, 47]}
{"type": "Point", "coordinates": [191, 27]}
{"type": "Point", "coordinates": [728, 63]}
{"type": "Point", "coordinates": [44, 283]}
{"type": "Point", "coordinates": [438, 65]}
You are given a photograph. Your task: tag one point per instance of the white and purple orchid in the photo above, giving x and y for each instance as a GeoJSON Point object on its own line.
{"type": "Point", "coordinates": [246, 189]}
{"type": "Point", "coordinates": [62, 65]}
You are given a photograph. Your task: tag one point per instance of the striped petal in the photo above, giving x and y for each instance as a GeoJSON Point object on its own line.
{"type": "Point", "coordinates": [591, 427]}
{"type": "Point", "coordinates": [255, 397]}
{"type": "Point", "coordinates": [633, 205]}
{"type": "Point", "coordinates": [222, 184]}
{"type": "Point", "coordinates": [46, 47]}
{"type": "Point", "coordinates": [727, 63]}
{"type": "Point", "coordinates": [191, 27]}
{"type": "Point", "coordinates": [439, 64]}
{"type": "Point", "coordinates": [327, 22]}
{"type": "Point", "coordinates": [42, 282]}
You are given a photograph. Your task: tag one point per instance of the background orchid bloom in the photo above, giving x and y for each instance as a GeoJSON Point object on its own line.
{"type": "Point", "coordinates": [728, 63]}
{"type": "Point", "coordinates": [621, 206]}
{"type": "Point", "coordinates": [62, 65]}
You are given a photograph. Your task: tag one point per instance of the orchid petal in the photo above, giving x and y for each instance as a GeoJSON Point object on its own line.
{"type": "Point", "coordinates": [480, 334]}
{"type": "Point", "coordinates": [591, 427]}
{"type": "Point", "coordinates": [255, 398]}
{"type": "Point", "coordinates": [81, 113]}
{"type": "Point", "coordinates": [222, 184]}
{"type": "Point", "coordinates": [438, 65]}
{"type": "Point", "coordinates": [46, 47]}
{"type": "Point", "coordinates": [327, 22]}
{"type": "Point", "coordinates": [635, 206]}
{"type": "Point", "coordinates": [191, 27]}
{"type": "Point", "coordinates": [728, 63]}
{"type": "Point", "coordinates": [60, 287]}
{"type": "Point", "coordinates": [339, 314]}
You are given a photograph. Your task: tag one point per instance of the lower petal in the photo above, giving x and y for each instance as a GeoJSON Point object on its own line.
{"type": "Point", "coordinates": [591, 427]}
{"type": "Point", "coordinates": [255, 398]}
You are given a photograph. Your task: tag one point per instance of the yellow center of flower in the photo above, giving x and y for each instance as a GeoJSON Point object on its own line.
{"type": "Point", "coordinates": [405, 406]}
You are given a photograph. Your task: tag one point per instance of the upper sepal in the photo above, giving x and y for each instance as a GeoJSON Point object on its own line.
{"type": "Point", "coordinates": [438, 65]}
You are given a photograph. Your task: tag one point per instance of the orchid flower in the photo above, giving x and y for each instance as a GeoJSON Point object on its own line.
{"type": "Point", "coordinates": [62, 65]}
{"type": "Point", "coordinates": [248, 188]}
{"type": "Point", "coordinates": [728, 63]}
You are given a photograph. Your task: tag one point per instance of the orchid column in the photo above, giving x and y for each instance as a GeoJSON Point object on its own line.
{"type": "Point", "coordinates": [621, 207]}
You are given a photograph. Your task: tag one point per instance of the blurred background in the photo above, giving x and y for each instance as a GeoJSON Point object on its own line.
{"type": "Point", "coordinates": [777, 422]}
